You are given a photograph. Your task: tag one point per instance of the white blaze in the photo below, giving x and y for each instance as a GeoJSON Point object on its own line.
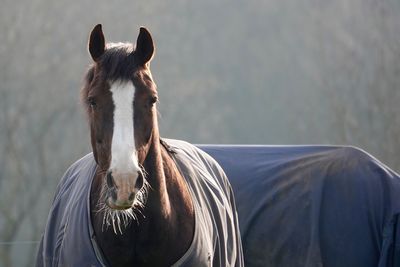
{"type": "Point", "coordinates": [123, 150]}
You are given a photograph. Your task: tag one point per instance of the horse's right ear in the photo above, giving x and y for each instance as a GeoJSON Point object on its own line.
{"type": "Point", "coordinates": [96, 43]}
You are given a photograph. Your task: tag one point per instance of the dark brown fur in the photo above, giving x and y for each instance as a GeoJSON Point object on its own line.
{"type": "Point", "coordinates": [163, 233]}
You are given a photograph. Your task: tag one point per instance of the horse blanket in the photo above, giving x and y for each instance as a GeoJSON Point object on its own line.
{"type": "Point", "coordinates": [313, 205]}
{"type": "Point", "coordinates": [69, 239]}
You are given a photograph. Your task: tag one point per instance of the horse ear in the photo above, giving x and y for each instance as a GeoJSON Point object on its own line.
{"type": "Point", "coordinates": [96, 42]}
{"type": "Point", "coordinates": [144, 47]}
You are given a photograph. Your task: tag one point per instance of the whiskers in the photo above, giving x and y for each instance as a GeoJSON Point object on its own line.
{"type": "Point", "coordinates": [120, 219]}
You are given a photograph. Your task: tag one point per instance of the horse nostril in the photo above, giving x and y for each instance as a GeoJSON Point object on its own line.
{"type": "Point", "coordinates": [110, 180]}
{"type": "Point", "coordinates": [139, 182]}
{"type": "Point", "coordinates": [131, 196]}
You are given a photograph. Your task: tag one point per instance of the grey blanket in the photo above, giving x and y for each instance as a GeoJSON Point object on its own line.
{"type": "Point", "coordinates": [69, 239]}
{"type": "Point", "coordinates": [298, 206]}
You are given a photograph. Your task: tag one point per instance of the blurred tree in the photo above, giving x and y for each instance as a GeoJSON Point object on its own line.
{"type": "Point", "coordinates": [265, 72]}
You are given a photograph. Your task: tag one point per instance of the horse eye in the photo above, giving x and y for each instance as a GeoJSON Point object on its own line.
{"type": "Point", "coordinates": [153, 100]}
{"type": "Point", "coordinates": [92, 102]}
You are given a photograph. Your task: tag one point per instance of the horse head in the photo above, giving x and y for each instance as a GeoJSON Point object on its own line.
{"type": "Point", "coordinates": [119, 97]}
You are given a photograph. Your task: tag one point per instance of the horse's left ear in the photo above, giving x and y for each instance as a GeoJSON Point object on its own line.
{"type": "Point", "coordinates": [144, 51]}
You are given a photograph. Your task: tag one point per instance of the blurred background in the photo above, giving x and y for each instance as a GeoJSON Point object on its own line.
{"type": "Point", "coordinates": [233, 72]}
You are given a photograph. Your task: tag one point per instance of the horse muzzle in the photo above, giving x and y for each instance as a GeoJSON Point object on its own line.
{"type": "Point", "coordinates": [122, 189]}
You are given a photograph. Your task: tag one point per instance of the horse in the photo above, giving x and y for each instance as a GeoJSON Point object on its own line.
{"type": "Point", "coordinates": [137, 200]}
{"type": "Point", "coordinates": [141, 200]}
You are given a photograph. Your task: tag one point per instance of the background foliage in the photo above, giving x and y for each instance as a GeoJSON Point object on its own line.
{"type": "Point", "coordinates": [266, 72]}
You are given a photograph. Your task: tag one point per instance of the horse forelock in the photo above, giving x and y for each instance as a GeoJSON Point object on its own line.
{"type": "Point", "coordinates": [116, 64]}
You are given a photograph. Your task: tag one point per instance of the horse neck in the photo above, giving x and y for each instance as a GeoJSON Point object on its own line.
{"type": "Point", "coordinates": [169, 193]}
{"type": "Point", "coordinates": [157, 165]}
{"type": "Point", "coordinates": [169, 214]}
